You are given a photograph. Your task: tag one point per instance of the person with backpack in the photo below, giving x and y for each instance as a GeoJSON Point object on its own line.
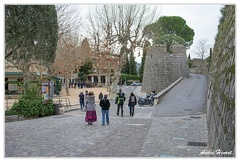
{"type": "Point", "coordinates": [105, 105]}
{"type": "Point", "coordinates": [81, 100]}
{"type": "Point", "coordinates": [120, 98]}
{"type": "Point", "coordinates": [131, 103]}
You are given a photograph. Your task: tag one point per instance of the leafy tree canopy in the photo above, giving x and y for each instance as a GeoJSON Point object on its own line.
{"type": "Point", "coordinates": [177, 26]}
{"type": "Point", "coordinates": [85, 70]}
{"type": "Point", "coordinates": [168, 40]}
{"type": "Point", "coordinates": [170, 30]}
{"type": "Point", "coordinates": [31, 32]}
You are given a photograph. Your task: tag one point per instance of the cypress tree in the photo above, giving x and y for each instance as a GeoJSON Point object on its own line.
{"type": "Point", "coordinates": [132, 65]}
{"type": "Point", "coordinates": [210, 59]}
{"type": "Point", "coordinates": [125, 69]}
{"type": "Point", "coordinates": [141, 70]}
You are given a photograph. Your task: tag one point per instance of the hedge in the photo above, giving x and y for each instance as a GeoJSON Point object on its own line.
{"type": "Point", "coordinates": [31, 108]}
{"type": "Point", "coordinates": [130, 77]}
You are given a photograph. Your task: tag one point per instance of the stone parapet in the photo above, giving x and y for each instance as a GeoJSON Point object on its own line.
{"type": "Point", "coordinates": [163, 92]}
{"type": "Point", "coordinates": [162, 69]}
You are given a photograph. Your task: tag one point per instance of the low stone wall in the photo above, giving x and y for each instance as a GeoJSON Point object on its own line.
{"type": "Point", "coordinates": [163, 92]}
{"type": "Point", "coordinates": [14, 118]}
{"type": "Point", "coordinates": [12, 96]}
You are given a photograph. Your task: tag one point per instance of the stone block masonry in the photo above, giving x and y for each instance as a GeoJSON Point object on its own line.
{"type": "Point", "coordinates": [162, 69]}
{"type": "Point", "coordinates": [221, 97]}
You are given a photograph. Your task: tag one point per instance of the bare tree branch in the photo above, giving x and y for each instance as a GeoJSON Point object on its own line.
{"type": "Point", "coordinates": [202, 49]}
{"type": "Point", "coordinates": [121, 26]}
{"type": "Point", "coordinates": [69, 19]}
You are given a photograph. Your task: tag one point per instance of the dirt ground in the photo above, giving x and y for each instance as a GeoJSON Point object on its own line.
{"type": "Point", "coordinates": [71, 100]}
{"type": "Point", "coordinates": [74, 92]}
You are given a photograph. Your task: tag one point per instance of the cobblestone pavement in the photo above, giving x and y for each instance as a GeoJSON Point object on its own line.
{"type": "Point", "coordinates": [169, 137]}
{"type": "Point", "coordinates": [140, 136]}
{"type": "Point", "coordinates": [143, 135]}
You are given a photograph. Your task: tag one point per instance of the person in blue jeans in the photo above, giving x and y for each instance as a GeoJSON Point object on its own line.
{"type": "Point", "coordinates": [105, 105]}
{"type": "Point", "coordinates": [81, 100]}
{"type": "Point", "coordinates": [131, 103]}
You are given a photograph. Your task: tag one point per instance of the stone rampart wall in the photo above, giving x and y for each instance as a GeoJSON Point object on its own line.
{"type": "Point", "coordinates": [162, 69]}
{"type": "Point", "coordinates": [221, 99]}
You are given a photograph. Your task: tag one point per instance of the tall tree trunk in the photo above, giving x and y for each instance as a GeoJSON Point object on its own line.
{"type": "Point", "coordinates": [114, 84]}
{"type": "Point", "coordinates": [117, 73]}
{"type": "Point", "coordinates": [99, 78]}
{"type": "Point", "coordinates": [26, 77]}
{"type": "Point", "coordinates": [67, 84]}
{"type": "Point", "coordinates": [109, 78]}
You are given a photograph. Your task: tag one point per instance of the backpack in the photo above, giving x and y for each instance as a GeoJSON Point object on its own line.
{"type": "Point", "coordinates": [132, 99]}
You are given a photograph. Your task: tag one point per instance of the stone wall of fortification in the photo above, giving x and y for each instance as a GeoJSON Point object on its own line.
{"type": "Point", "coordinates": [162, 69]}
{"type": "Point", "coordinates": [221, 97]}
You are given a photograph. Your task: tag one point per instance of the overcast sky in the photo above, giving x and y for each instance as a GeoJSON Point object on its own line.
{"type": "Point", "coordinates": [202, 18]}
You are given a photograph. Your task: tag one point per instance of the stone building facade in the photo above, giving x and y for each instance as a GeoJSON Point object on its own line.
{"type": "Point", "coordinates": [162, 69]}
{"type": "Point", "coordinates": [221, 97]}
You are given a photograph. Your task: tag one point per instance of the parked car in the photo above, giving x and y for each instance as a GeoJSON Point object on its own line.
{"type": "Point", "coordinates": [136, 84]}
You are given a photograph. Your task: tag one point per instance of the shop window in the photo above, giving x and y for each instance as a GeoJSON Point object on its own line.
{"type": "Point", "coordinates": [103, 79]}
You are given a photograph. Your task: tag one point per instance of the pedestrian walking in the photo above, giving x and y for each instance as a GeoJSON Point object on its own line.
{"type": "Point", "coordinates": [132, 102]}
{"type": "Point", "coordinates": [81, 100]}
{"type": "Point", "coordinates": [105, 105]}
{"type": "Point", "coordinates": [91, 115]}
{"type": "Point", "coordinates": [120, 98]}
{"type": "Point", "coordinates": [83, 84]}
{"type": "Point", "coordinates": [100, 96]}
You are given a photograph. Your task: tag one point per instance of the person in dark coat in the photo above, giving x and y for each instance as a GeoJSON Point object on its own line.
{"type": "Point", "coordinates": [100, 96]}
{"type": "Point", "coordinates": [120, 98]}
{"type": "Point", "coordinates": [105, 105]}
{"type": "Point", "coordinates": [81, 100]}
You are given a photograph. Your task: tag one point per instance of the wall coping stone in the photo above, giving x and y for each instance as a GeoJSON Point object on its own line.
{"type": "Point", "coordinates": [163, 92]}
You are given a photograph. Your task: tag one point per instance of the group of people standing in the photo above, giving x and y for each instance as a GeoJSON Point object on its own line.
{"type": "Point", "coordinates": [87, 102]}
